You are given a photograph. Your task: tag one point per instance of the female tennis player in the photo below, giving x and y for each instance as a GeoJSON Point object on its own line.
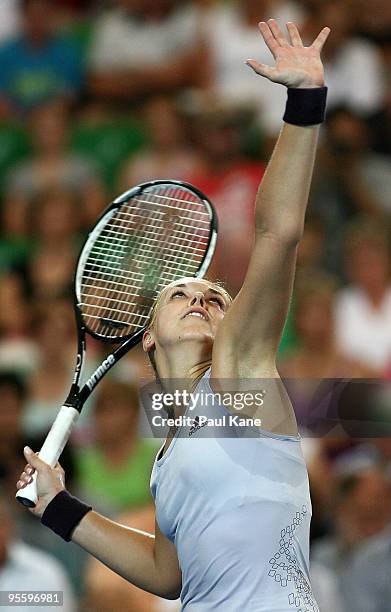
{"type": "Point", "coordinates": [232, 513]}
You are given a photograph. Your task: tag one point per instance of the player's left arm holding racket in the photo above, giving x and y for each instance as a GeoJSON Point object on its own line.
{"type": "Point", "coordinates": [147, 561]}
{"type": "Point", "coordinates": [149, 236]}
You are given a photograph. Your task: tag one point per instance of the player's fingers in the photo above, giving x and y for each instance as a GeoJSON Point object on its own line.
{"type": "Point", "coordinates": [277, 33]}
{"type": "Point", "coordinates": [28, 471]}
{"type": "Point", "coordinates": [262, 69]}
{"type": "Point", "coordinates": [33, 459]}
{"type": "Point", "coordinates": [321, 39]}
{"type": "Point", "coordinates": [268, 37]}
{"type": "Point", "coordinates": [294, 35]}
{"type": "Point", "coordinates": [24, 480]}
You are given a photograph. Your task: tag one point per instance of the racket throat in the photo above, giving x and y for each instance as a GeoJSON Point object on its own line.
{"type": "Point", "coordinates": [73, 400]}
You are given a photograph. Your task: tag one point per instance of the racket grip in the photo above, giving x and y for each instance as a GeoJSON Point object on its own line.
{"type": "Point", "coordinates": [51, 450]}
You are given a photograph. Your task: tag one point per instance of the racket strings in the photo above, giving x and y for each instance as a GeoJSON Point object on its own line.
{"type": "Point", "coordinates": [195, 214]}
{"type": "Point", "coordinates": [178, 224]}
{"type": "Point", "coordinates": [148, 242]}
{"type": "Point", "coordinates": [153, 239]}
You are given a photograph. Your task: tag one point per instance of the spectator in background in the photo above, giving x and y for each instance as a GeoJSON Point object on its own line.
{"type": "Point", "coordinates": [380, 123]}
{"type": "Point", "coordinates": [349, 178]}
{"type": "Point", "coordinates": [58, 220]}
{"type": "Point", "coordinates": [17, 350]}
{"type": "Point", "coordinates": [51, 271]}
{"type": "Point", "coordinates": [312, 245]}
{"type": "Point", "coordinates": [40, 64]}
{"type": "Point", "coordinates": [13, 395]}
{"type": "Point", "coordinates": [317, 355]}
{"type": "Point", "coordinates": [363, 309]}
{"type": "Point", "coordinates": [9, 19]}
{"type": "Point", "coordinates": [107, 138]}
{"type": "Point", "coordinates": [49, 384]}
{"type": "Point", "coordinates": [237, 22]}
{"type": "Point", "coordinates": [231, 181]}
{"type": "Point", "coordinates": [373, 24]}
{"type": "Point", "coordinates": [56, 227]}
{"type": "Point", "coordinates": [310, 255]}
{"type": "Point", "coordinates": [353, 66]}
{"type": "Point", "coordinates": [363, 176]}
{"type": "Point", "coordinates": [168, 154]}
{"type": "Point", "coordinates": [52, 166]}
{"type": "Point", "coordinates": [24, 568]}
{"type": "Point", "coordinates": [142, 47]}
{"type": "Point", "coordinates": [359, 552]}
{"type": "Point", "coordinates": [114, 473]}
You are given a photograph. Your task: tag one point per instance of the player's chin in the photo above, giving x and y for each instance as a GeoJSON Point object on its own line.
{"type": "Point", "coordinates": [197, 334]}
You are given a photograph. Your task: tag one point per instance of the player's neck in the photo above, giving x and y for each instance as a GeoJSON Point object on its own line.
{"type": "Point", "coordinates": [183, 365]}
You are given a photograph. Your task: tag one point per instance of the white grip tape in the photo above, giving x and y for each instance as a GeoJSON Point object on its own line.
{"type": "Point", "coordinates": [58, 436]}
{"type": "Point", "coordinates": [52, 447]}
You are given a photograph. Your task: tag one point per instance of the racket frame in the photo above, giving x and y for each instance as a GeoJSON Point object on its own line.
{"type": "Point", "coordinates": [115, 205]}
{"type": "Point", "coordinates": [78, 396]}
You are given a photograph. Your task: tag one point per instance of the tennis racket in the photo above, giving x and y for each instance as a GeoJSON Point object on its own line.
{"type": "Point", "coordinates": [148, 237]}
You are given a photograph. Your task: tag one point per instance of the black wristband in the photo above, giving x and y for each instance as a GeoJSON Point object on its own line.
{"type": "Point", "coordinates": [306, 106]}
{"type": "Point", "coordinates": [63, 514]}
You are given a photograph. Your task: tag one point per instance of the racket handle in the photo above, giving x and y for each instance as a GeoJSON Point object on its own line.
{"type": "Point", "coordinates": [51, 450]}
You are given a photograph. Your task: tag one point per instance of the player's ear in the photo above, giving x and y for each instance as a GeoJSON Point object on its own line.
{"type": "Point", "coordinates": [148, 341]}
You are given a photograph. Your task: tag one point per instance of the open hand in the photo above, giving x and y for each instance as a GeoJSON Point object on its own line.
{"type": "Point", "coordinates": [296, 65]}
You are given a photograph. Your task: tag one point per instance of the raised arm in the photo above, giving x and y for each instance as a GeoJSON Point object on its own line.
{"type": "Point", "coordinates": [248, 337]}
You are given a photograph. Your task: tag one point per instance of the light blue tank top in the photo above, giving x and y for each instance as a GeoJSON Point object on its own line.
{"type": "Point", "coordinates": [238, 511]}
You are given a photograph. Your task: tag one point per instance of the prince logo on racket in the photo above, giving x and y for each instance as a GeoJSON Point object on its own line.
{"type": "Point", "coordinates": [222, 503]}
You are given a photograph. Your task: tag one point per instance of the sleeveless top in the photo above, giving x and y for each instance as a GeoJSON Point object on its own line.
{"type": "Point", "coordinates": [238, 511]}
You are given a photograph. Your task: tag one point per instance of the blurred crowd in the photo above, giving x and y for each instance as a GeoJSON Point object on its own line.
{"type": "Point", "coordinates": [99, 95]}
